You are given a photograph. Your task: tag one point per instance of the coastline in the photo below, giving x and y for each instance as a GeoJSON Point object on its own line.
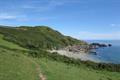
{"type": "Point", "coordinates": [76, 55]}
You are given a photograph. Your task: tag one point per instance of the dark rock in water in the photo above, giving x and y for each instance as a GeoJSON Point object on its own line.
{"type": "Point", "coordinates": [109, 45]}
{"type": "Point", "coordinates": [98, 45]}
{"type": "Point", "coordinates": [102, 45]}
{"type": "Point", "coordinates": [93, 52]}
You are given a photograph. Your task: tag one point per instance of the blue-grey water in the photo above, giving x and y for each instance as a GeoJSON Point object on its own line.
{"type": "Point", "coordinates": [108, 54]}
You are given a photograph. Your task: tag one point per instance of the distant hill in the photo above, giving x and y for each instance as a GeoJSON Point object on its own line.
{"type": "Point", "coordinates": [38, 37]}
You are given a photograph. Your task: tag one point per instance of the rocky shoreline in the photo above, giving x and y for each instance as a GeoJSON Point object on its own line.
{"type": "Point", "coordinates": [85, 48]}
{"type": "Point", "coordinates": [80, 51]}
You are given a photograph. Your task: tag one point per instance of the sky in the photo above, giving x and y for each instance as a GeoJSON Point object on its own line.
{"type": "Point", "coordinates": [82, 19]}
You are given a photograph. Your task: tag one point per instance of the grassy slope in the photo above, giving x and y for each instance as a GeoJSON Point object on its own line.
{"type": "Point", "coordinates": [60, 71]}
{"type": "Point", "coordinates": [9, 44]}
{"type": "Point", "coordinates": [38, 37]}
{"type": "Point", "coordinates": [15, 66]}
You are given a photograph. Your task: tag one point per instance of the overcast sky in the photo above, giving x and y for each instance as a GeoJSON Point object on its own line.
{"type": "Point", "coordinates": [83, 19]}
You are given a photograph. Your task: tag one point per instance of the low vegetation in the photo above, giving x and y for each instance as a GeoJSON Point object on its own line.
{"type": "Point", "coordinates": [38, 37]}
{"type": "Point", "coordinates": [60, 58]}
{"type": "Point", "coordinates": [18, 63]}
{"type": "Point", "coordinates": [9, 44]}
{"type": "Point", "coordinates": [55, 70]}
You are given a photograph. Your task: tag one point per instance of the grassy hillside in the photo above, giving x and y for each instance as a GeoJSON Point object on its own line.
{"type": "Point", "coordinates": [10, 45]}
{"type": "Point", "coordinates": [60, 71]}
{"type": "Point", "coordinates": [15, 66]}
{"type": "Point", "coordinates": [38, 37]}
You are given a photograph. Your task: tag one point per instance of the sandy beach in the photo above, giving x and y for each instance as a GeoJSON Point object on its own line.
{"type": "Point", "coordinates": [77, 55]}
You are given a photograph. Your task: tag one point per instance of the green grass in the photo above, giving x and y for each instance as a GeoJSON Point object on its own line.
{"type": "Point", "coordinates": [9, 44]}
{"type": "Point", "coordinates": [61, 71]}
{"type": "Point", "coordinates": [16, 66]}
{"type": "Point", "coordinates": [38, 37]}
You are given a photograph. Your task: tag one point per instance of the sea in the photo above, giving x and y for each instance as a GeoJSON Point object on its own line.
{"type": "Point", "coordinates": [107, 54]}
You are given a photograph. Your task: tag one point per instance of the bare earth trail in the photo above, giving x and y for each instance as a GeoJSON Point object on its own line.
{"type": "Point", "coordinates": [42, 77]}
{"type": "Point", "coordinates": [40, 74]}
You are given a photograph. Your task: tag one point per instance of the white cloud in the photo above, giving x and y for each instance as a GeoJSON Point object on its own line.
{"type": "Point", "coordinates": [49, 5]}
{"type": "Point", "coordinates": [92, 35]}
{"type": "Point", "coordinates": [28, 7]}
{"type": "Point", "coordinates": [6, 16]}
{"type": "Point", "coordinates": [21, 18]}
{"type": "Point", "coordinates": [112, 24]}
{"type": "Point", "coordinates": [17, 17]}
{"type": "Point", "coordinates": [115, 25]}
{"type": "Point", "coordinates": [35, 6]}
